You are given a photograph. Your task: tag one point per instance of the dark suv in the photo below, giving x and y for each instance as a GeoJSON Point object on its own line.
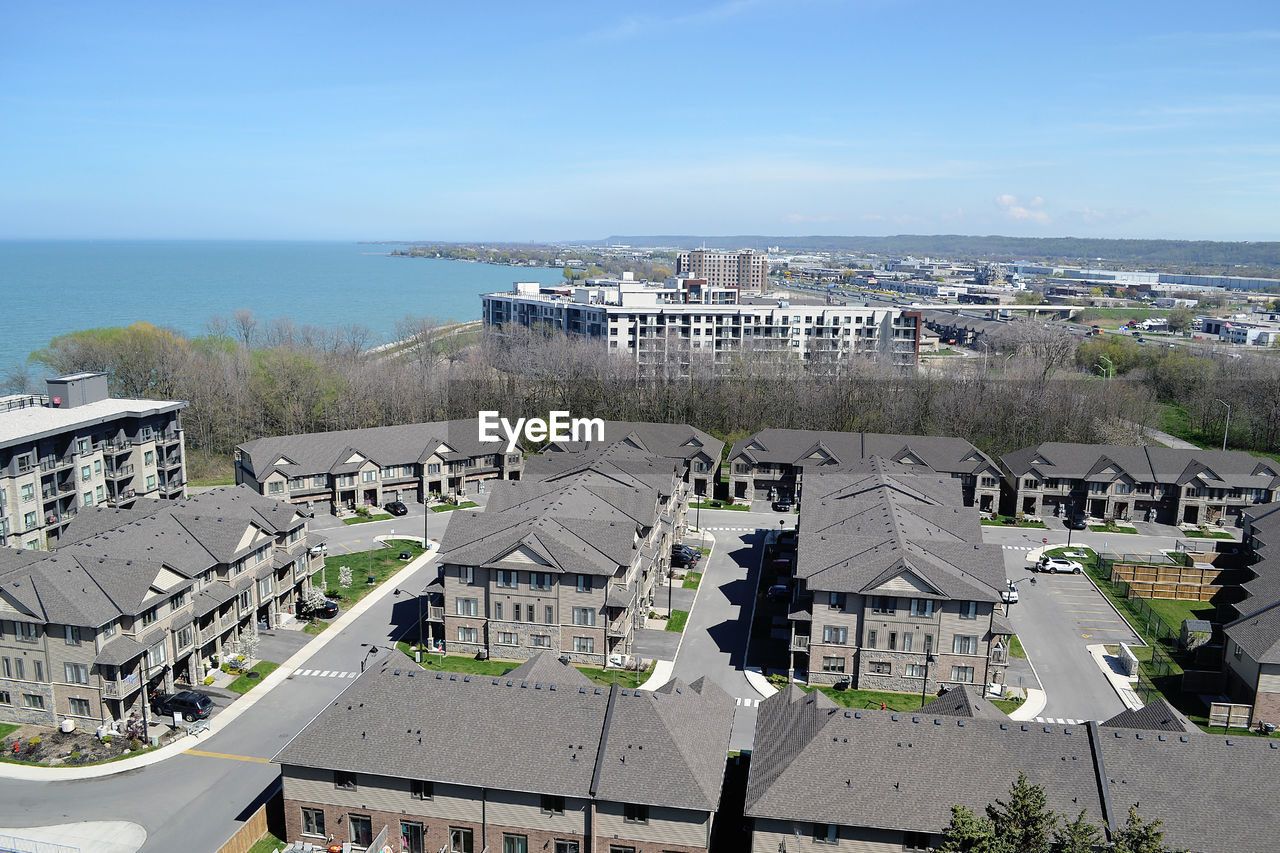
{"type": "Point", "coordinates": [682, 556]}
{"type": "Point", "coordinates": [192, 705]}
{"type": "Point", "coordinates": [397, 508]}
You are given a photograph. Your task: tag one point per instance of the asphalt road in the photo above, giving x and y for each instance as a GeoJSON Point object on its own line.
{"type": "Point", "coordinates": [194, 802]}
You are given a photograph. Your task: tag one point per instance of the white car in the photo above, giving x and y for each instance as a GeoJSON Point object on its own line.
{"type": "Point", "coordinates": [1010, 595]}
{"type": "Point", "coordinates": [1053, 565]}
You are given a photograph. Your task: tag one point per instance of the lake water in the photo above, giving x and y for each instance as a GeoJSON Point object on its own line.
{"type": "Point", "coordinates": [54, 287]}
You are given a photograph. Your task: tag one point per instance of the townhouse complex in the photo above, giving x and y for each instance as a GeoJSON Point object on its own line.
{"type": "Point", "coordinates": [674, 326]}
{"type": "Point", "coordinates": [339, 471]}
{"type": "Point", "coordinates": [542, 760]}
{"type": "Point", "coordinates": [1143, 483]}
{"type": "Point", "coordinates": [826, 778]}
{"type": "Point", "coordinates": [895, 589]}
{"type": "Point", "coordinates": [569, 558]}
{"type": "Point", "coordinates": [140, 599]}
{"type": "Point", "coordinates": [770, 464]}
{"type": "Point", "coordinates": [1251, 657]}
{"type": "Point", "coordinates": [77, 447]}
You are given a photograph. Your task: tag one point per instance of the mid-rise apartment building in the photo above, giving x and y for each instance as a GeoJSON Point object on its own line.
{"type": "Point", "coordinates": [1142, 483]}
{"type": "Point", "coordinates": [771, 463]}
{"type": "Point", "coordinates": [346, 469]}
{"type": "Point", "coordinates": [680, 324]}
{"type": "Point", "coordinates": [137, 600]}
{"type": "Point", "coordinates": [745, 269]}
{"type": "Point", "coordinates": [895, 589]}
{"type": "Point", "coordinates": [77, 447]}
{"type": "Point", "coordinates": [539, 760]}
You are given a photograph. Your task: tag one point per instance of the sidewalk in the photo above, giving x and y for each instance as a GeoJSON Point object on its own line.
{"type": "Point", "coordinates": [662, 668]}
{"type": "Point", "coordinates": [182, 744]}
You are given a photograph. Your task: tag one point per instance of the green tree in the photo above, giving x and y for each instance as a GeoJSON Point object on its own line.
{"type": "Point", "coordinates": [1137, 836]}
{"type": "Point", "coordinates": [1179, 319]}
{"type": "Point", "coordinates": [968, 833]}
{"type": "Point", "coordinates": [1025, 822]}
{"type": "Point", "coordinates": [1027, 297]}
{"type": "Point", "coordinates": [1077, 836]}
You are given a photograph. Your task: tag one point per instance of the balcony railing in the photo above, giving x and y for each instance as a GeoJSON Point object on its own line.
{"type": "Point", "coordinates": [619, 627]}
{"type": "Point", "coordinates": [116, 472]}
{"type": "Point", "coordinates": [435, 613]}
{"type": "Point", "coordinates": [800, 643]}
{"type": "Point", "coordinates": [56, 463]}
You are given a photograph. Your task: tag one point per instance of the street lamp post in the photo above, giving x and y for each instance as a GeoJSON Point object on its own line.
{"type": "Point", "coordinates": [1227, 426]}
{"type": "Point", "coordinates": [373, 650]}
{"type": "Point", "coordinates": [1110, 372]}
{"type": "Point", "coordinates": [924, 688]}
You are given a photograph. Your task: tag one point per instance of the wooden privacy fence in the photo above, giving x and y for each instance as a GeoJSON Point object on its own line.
{"type": "Point", "coordinates": [268, 817]}
{"type": "Point", "coordinates": [1134, 572]}
{"type": "Point", "coordinates": [1184, 591]}
{"type": "Point", "coordinates": [1230, 715]}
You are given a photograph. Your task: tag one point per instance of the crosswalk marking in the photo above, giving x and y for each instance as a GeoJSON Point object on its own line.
{"type": "Point", "coordinates": [327, 673]}
{"type": "Point", "coordinates": [1058, 721]}
{"type": "Point", "coordinates": [1018, 547]}
{"type": "Point", "coordinates": [750, 703]}
{"type": "Point", "coordinates": [734, 529]}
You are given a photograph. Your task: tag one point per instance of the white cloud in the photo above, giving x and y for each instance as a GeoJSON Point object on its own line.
{"type": "Point", "coordinates": [1032, 211]}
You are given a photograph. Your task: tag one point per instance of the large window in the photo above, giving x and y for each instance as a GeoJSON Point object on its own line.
{"type": "Point", "coordinates": [915, 670]}
{"type": "Point", "coordinates": [540, 580]}
{"type": "Point", "coordinates": [834, 634]}
{"type": "Point", "coordinates": [584, 645]}
{"type": "Point", "coordinates": [540, 641]}
{"type": "Point", "coordinates": [460, 840]}
{"type": "Point", "coordinates": [508, 638]}
{"type": "Point", "coordinates": [313, 822]}
{"type": "Point", "coordinates": [830, 664]}
{"type": "Point", "coordinates": [361, 829]}
{"type": "Point", "coordinates": [552, 804]}
{"type": "Point", "coordinates": [507, 579]}
{"type": "Point", "coordinates": [880, 668]}
{"type": "Point", "coordinates": [73, 635]}
{"type": "Point", "coordinates": [584, 583]}
{"type": "Point", "coordinates": [968, 610]}
{"type": "Point", "coordinates": [467, 635]}
{"type": "Point", "coordinates": [922, 607]}
{"type": "Point", "coordinates": [467, 607]}
{"type": "Point", "coordinates": [80, 707]}
{"type": "Point", "coordinates": [344, 781]}
{"type": "Point", "coordinates": [883, 604]}
{"type": "Point", "coordinates": [826, 833]}
{"type": "Point", "coordinates": [412, 837]}
{"type": "Point", "coordinates": [962, 674]}
{"type": "Point", "coordinates": [515, 843]}
{"type": "Point", "coordinates": [33, 700]}
{"type": "Point", "coordinates": [567, 846]}
{"type": "Point", "coordinates": [963, 645]}
{"type": "Point", "coordinates": [635, 813]}
{"type": "Point", "coordinates": [420, 789]}
{"type": "Point", "coordinates": [76, 673]}
{"type": "Point", "coordinates": [584, 616]}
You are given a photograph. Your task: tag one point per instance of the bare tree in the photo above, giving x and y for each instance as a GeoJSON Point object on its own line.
{"type": "Point", "coordinates": [244, 323]}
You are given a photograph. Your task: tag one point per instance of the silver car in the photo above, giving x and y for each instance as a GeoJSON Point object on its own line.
{"type": "Point", "coordinates": [1054, 565]}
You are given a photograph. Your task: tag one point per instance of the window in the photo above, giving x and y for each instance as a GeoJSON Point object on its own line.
{"type": "Point", "coordinates": [614, 848]}
{"type": "Point", "coordinates": [185, 637]}
{"type": "Point", "coordinates": [584, 583]}
{"type": "Point", "coordinates": [466, 574]}
{"type": "Point", "coordinates": [412, 837]}
{"type": "Point", "coordinates": [178, 602]}
{"type": "Point", "coordinates": [275, 487]}
{"type": "Point", "coordinates": [883, 604]}
{"type": "Point", "coordinates": [77, 673]}
{"type": "Point", "coordinates": [433, 467]}
{"type": "Point", "coordinates": [835, 600]}
{"type": "Point", "coordinates": [584, 645]}
{"type": "Point", "coordinates": [988, 482]}
{"type": "Point", "coordinates": [826, 833]}
{"type": "Point", "coordinates": [880, 667]}
{"type": "Point", "coordinates": [550, 613]}
{"type": "Point", "coordinates": [915, 670]}
{"type": "Point", "coordinates": [460, 840]}
{"type": "Point", "coordinates": [906, 641]}
{"type": "Point", "coordinates": [508, 579]}
{"type": "Point", "coordinates": [552, 805]}
{"type": "Point", "coordinates": [29, 520]}
{"type": "Point", "coordinates": [73, 635]}
{"type": "Point", "coordinates": [27, 632]}
{"type": "Point", "coordinates": [635, 813]}
{"type": "Point", "coordinates": [467, 607]}
{"type": "Point", "coordinates": [361, 829]}
{"type": "Point", "coordinates": [508, 638]}
{"type": "Point", "coordinates": [146, 433]}
{"type": "Point", "coordinates": [420, 789]}
{"type": "Point", "coordinates": [836, 635]}
{"type": "Point", "coordinates": [28, 492]}
{"type": "Point", "coordinates": [540, 641]}
{"type": "Point", "coordinates": [344, 781]}
{"type": "Point", "coordinates": [87, 498]}
{"type": "Point", "coordinates": [530, 613]}
{"type": "Point", "coordinates": [80, 707]}
{"type": "Point", "coordinates": [1030, 483]}
{"type": "Point", "coordinates": [151, 482]}
{"type": "Point", "coordinates": [915, 841]}
{"type": "Point", "coordinates": [33, 700]}
{"type": "Point", "coordinates": [515, 843]}
{"type": "Point", "coordinates": [962, 674]}
{"type": "Point", "coordinates": [369, 476]}
{"type": "Point", "coordinates": [584, 616]}
{"type": "Point", "coordinates": [922, 607]}
{"type": "Point", "coordinates": [468, 635]}
{"type": "Point", "coordinates": [5, 698]}
{"type": "Point", "coordinates": [388, 472]}
{"type": "Point", "coordinates": [965, 645]}
{"type": "Point", "coordinates": [99, 494]}
{"type": "Point", "coordinates": [871, 639]}
{"type": "Point", "coordinates": [83, 445]}
{"type": "Point", "coordinates": [497, 610]}
{"type": "Point", "coordinates": [540, 580]}
{"type": "Point", "coordinates": [893, 641]}
{"type": "Point", "coordinates": [832, 664]}
{"type": "Point", "coordinates": [86, 472]}
{"type": "Point", "coordinates": [566, 846]}
{"type": "Point", "coordinates": [968, 610]}
{"type": "Point", "coordinates": [148, 617]}
{"type": "Point", "coordinates": [39, 667]}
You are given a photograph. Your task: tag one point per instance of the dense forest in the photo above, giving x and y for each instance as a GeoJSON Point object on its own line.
{"type": "Point", "coordinates": [1190, 256]}
{"type": "Point", "coordinates": [245, 379]}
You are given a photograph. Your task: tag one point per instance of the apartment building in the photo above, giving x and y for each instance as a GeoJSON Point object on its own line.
{"type": "Point", "coordinates": [771, 463]}
{"type": "Point", "coordinates": [661, 328]}
{"type": "Point", "coordinates": [345, 469]}
{"type": "Point", "coordinates": [1142, 483]}
{"type": "Point", "coordinates": [540, 759]}
{"type": "Point", "coordinates": [895, 589]}
{"type": "Point", "coordinates": [745, 269]}
{"type": "Point", "coordinates": [824, 778]}
{"type": "Point", "coordinates": [140, 599]}
{"type": "Point", "coordinates": [77, 447]}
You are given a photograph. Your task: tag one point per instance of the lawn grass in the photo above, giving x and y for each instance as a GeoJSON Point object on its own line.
{"type": "Point", "coordinates": [1173, 610]}
{"type": "Point", "coordinates": [1006, 705]}
{"type": "Point", "coordinates": [7, 729]}
{"type": "Point", "coordinates": [1015, 648]}
{"type": "Point", "coordinates": [361, 519]}
{"type": "Point", "coordinates": [1202, 534]}
{"type": "Point", "coordinates": [382, 563]}
{"type": "Point", "coordinates": [452, 507]}
{"type": "Point", "coordinates": [1003, 521]}
{"type": "Point", "coordinates": [873, 698]}
{"type": "Point", "coordinates": [212, 481]}
{"type": "Point", "coordinates": [677, 620]}
{"type": "Point", "coordinates": [1074, 549]}
{"type": "Point", "coordinates": [315, 627]}
{"type": "Point", "coordinates": [470, 666]}
{"type": "Point", "coordinates": [267, 844]}
{"type": "Point", "coordinates": [691, 580]}
{"type": "Point", "coordinates": [720, 505]}
{"type": "Point", "coordinates": [244, 683]}
{"type": "Point", "coordinates": [1111, 528]}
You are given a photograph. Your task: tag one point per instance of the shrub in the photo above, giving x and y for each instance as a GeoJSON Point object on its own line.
{"type": "Point", "coordinates": [208, 680]}
{"type": "Point", "coordinates": [106, 740]}
{"type": "Point", "coordinates": [134, 744]}
{"type": "Point", "coordinates": [34, 742]}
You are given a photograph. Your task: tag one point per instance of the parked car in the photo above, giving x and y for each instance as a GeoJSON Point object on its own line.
{"type": "Point", "coordinates": [778, 592]}
{"type": "Point", "coordinates": [1076, 521]}
{"type": "Point", "coordinates": [328, 610]}
{"type": "Point", "coordinates": [192, 705]}
{"type": "Point", "coordinates": [1010, 595]}
{"type": "Point", "coordinates": [397, 508]}
{"type": "Point", "coordinates": [685, 553]}
{"type": "Point", "coordinates": [781, 565]}
{"type": "Point", "coordinates": [787, 539]}
{"type": "Point", "coordinates": [783, 505]}
{"type": "Point", "coordinates": [1054, 565]}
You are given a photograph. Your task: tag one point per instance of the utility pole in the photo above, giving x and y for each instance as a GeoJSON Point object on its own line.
{"type": "Point", "coordinates": [1227, 426]}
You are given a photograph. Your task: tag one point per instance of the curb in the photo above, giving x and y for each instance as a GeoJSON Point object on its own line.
{"type": "Point", "coordinates": [1031, 706]}
{"type": "Point", "coordinates": [244, 703]}
{"type": "Point", "coordinates": [663, 668]}
{"type": "Point", "coordinates": [1122, 685]}
{"type": "Point", "coordinates": [758, 682]}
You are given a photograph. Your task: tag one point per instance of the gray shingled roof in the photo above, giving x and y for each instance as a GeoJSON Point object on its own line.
{"type": "Point", "coordinates": [1156, 715]}
{"type": "Point", "coordinates": [1258, 633]}
{"type": "Point", "coordinates": [795, 447]}
{"type": "Point", "coordinates": [519, 737]}
{"type": "Point", "coordinates": [1143, 464]}
{"type": "Point", "coordinates": [675, 441]}
{"type": "Point", "coordinates": [546, 668]}
{"type": "Point", "coordinates": [963, 701]}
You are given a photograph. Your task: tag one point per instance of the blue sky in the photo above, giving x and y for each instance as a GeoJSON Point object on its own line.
{"type": "Point", "coordinates": [547, 121]}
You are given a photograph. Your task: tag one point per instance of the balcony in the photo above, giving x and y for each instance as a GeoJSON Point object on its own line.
{"type": "Point", "coordinates": [166, 438]}
{"type": "Point", "coordinates": [800, 643]}
{"type": "Point", "coordinates": [435, 613]}
{"type": "Point", "coordinates": [619, 627]}
{"type": "Point", "coordinates": [55, 463]}
{"type": "Point", "coordinates": [67, 485]}
{"type": "Point", "coordinates": [118, 472]}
